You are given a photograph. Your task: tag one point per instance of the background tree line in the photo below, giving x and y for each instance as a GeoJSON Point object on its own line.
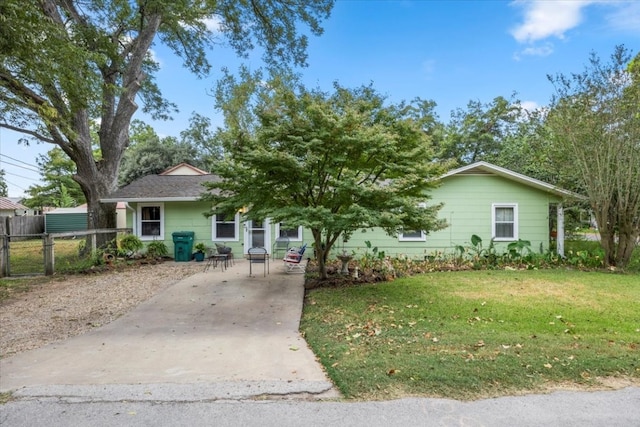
{"type": "Point", "coordinates": [80, 94]}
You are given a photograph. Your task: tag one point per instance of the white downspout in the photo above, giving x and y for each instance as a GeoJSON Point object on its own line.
{"type": "Point", "coordinates": [134, 222]}
{"type": "Point", "coordinates": [560, 231]}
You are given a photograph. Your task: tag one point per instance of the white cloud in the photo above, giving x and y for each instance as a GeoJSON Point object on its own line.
{"type": "Point", "coordinates": [626, 17]}
{"type": "Point", "coordinates": [530, 105]}
{"type": "Point", "coordinates": [213, 24]}
{"type": "Point", "coordinates": [546, 18]}
{"type": "Point", "coordinates": [544, 50]}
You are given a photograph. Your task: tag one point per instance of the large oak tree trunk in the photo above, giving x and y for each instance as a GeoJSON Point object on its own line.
{"type": "Point", "coordinates": [98, 178]}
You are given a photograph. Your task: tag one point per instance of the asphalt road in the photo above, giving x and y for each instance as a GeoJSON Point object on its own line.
{"type": "Point", "coordinates": [223, 349]}
{"type": "Point", "coordinates": [562, 409]}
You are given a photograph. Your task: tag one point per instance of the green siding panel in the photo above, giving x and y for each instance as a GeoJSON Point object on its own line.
{"type": "Point", "coordinates": [65, 222]}
{"type": "Point", "coordinates": [467, 200]}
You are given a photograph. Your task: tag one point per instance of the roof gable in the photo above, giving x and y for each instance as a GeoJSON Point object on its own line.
{"type": "Point", "coordinates": [484, 168]}
{"type": "Point", "coordinates": [179, 183]}
{"type": "Point", "coordinates": [183, 169]}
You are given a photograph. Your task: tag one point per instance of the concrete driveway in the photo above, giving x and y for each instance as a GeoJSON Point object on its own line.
{"type": "Point", "coordinates": [212, 335]}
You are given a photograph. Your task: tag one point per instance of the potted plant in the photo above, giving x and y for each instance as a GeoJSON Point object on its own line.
{"type": "Point", "coordinates": [200, 250]}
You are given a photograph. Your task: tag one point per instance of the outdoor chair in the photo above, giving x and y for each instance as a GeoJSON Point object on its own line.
{"type": "Point", "coordinates": [281, 245]}
{"type": "Point", "coordinates": [225, 250]}
{"type": "Point", "coordinates": [213, 259]}
{"type": "Point", "coordinates": [258, 255]}
{"type": "Point", "coordinates": [293, 260]}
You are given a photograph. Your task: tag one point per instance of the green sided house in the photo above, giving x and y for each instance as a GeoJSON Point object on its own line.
{"type": "Point", "coordinates": [486, 200]}
{"type": "Point", "coordinates": [481, 198]}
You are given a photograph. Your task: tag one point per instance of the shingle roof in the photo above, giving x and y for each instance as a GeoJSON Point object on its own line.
{"type": "Point", "coordinates": [7, 205]}
{"type": "Point", "coordinates": [162, 188]}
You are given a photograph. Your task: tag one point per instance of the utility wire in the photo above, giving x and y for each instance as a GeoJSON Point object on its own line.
{"type": "Point", "coordinates": [30, 168]}
{"type": "Point", "coordinates": [19, 161]}
{"type": "Point", "coordinates": [15, 185]}
{"type": "Point", "coordinates": [21, 176]}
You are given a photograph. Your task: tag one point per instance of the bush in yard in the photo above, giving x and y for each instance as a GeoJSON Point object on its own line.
{"type": "Point", "coordinates": [373, 266]}
{"type": "Point", "coordinates": [129, 245]}
{"type": "Point", "coordinates": [157, 249]}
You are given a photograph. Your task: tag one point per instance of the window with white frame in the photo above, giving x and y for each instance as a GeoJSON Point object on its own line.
{"type": "Point", "coordinates": [151, 221]}
{"type": "Point", "coordinates": [414, 235]}
{"type": "Point", "coordinates": [504, 219]}
{"type": "Point", "coordinates": [294, 234]}
{"type": "Point", "coordinates": [225, 227]}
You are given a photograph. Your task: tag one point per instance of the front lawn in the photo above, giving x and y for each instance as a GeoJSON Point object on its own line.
{"type": "Point", "coordinates": [475, 334]}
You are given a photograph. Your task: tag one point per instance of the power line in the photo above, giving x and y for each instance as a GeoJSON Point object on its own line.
{"type": "Point", "coordinates": [18, 166]}
{"type": "Point", "coordinates": [15, 185]}
{"type": "Point", "coordinates": [21, 176]}
{"type": "Point", "coordinates": [20, 161]}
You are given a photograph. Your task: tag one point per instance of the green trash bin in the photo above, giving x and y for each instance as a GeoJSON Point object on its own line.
{"type": "Point", "coordinates": [183, 245]}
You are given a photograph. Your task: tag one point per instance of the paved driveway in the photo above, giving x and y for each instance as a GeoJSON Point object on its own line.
{"type": "Point", "coordinates": [225, 334]}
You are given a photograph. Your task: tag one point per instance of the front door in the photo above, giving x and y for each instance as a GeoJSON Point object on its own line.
{"type": "Point", "coordinates": [258, 235]}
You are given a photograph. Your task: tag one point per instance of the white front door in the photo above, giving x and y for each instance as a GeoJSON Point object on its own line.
{"type": "Point", "coordinates": [258, 235]}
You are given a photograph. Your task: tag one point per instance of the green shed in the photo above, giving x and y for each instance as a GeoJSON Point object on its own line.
{"type": "Point", "coordinates": [63, 220]}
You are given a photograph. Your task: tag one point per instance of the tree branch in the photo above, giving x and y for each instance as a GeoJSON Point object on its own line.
{"type": "Point", "coordinates": [27, 132]}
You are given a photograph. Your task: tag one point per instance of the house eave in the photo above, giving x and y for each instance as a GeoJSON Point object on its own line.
{"type": "Point", "coordinates": [150, 199]}
{"type": "Point", "coordinates": [514, 176]}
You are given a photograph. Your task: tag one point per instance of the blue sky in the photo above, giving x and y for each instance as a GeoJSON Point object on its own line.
{"type": "Point", "coordinates": [447, 51]}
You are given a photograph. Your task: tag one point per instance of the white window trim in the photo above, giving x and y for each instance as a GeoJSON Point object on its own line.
{"type": "Point", "coordinates": [236, 230]}
{"type": "Point", "coordinates": [299, 239]}
{"type": "Point", "coordinates": [139, 221]}
{"type": "Point", "coordinates": [422, 238]}
{"type": "Point", "coordinates": [495, 206]}
{"type": "Point", "coordinates": [423, 235]}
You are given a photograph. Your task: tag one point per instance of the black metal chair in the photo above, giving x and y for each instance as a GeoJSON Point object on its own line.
{"type": "Point", "coordinates": [260, 256]}
{"type": "Point", "coordinates": [225, 250]}
{"type": "Point", "coordinates": [214, 258]}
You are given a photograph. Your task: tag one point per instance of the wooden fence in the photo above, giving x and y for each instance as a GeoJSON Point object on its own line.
{"type": "Point", "coordinates": [21, 225]}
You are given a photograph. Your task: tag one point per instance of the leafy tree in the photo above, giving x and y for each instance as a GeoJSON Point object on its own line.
{"type": "Point", "coordinates": [67, 64]}
{"type": "Point", "coordinates": [4, 190]}
{"type": "Point", "coordinates": [204, 139]}
{"type": "Point", "coordinates": [527, 149]}
{"type": "Point", "coordinates": [149, 154]}
{"type": "Point", "coordinates": [331, 162]}
{"type": "Point", "coordinates": [595, 122]}
{"type": "Point", "coordinates": [59, 188]}
{"type": "Point", "coordinates": [478, 132]}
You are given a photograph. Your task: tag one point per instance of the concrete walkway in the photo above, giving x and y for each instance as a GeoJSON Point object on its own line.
{"type": "Point", "coordinates": [213, 335]}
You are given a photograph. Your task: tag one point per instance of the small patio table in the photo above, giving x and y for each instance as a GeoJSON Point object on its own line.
{"type": "Point", "coordinates": [214, 259]}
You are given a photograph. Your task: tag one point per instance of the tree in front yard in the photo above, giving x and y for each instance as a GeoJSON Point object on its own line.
{"type": "Point", "coordinates": [58, 187]}
{"type": "Point", "coordinates": [65, 65]}
{"type": "Point", "coordinates": [595, 125]}
{"type": "Point", "coordinates": [333, 163]}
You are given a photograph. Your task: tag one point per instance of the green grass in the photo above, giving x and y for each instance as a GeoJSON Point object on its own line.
{"type": "Point", "coordinates": [27, 256]}
{"type": "Point", "coordinates": [475, 334]}
{"type": "Point", "coordinates": [27, 264]}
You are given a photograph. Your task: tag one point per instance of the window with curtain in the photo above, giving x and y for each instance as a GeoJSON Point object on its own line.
{"type": "Point", "coordinates": [505, 221]}
{"type": "Point", "coordinates": [151, 221]}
